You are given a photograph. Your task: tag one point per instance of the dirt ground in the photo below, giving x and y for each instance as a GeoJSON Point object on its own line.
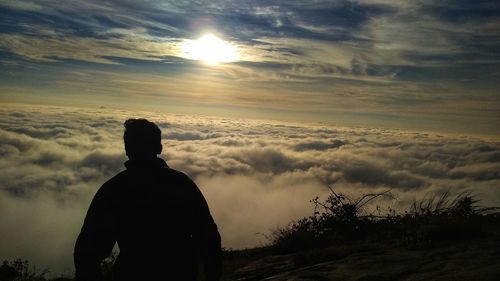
{"type": "Point", "coordinates": [472, 260]}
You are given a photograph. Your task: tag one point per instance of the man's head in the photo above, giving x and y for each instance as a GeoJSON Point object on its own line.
{"type": "Point", "coordinates": [142, 139]}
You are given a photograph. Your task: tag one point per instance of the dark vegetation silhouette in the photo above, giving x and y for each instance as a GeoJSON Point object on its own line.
{"type": "Point", "coordinates": [20, 270]}
{"type": "Point", "coordinates": [434, 218]}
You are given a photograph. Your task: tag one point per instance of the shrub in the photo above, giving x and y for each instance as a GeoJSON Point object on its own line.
{"type": "Point", "coordinates": [338, 218]}
{"type": "Point", "coordinates": [20, 270]}
{"type": "Point", "coordinates": [434, 218]}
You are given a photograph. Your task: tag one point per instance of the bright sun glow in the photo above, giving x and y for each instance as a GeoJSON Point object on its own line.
{"type": "Point", "coordinates": [210, 49]}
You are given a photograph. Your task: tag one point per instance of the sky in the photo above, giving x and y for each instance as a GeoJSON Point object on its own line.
{"type": "Point", "coordinates": [293, 97]}
{"type": "Point", "coordinates": [429, 65]}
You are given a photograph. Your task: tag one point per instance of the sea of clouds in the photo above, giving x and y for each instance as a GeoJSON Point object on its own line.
{"type": "Point", "coordinates": [256, 175]}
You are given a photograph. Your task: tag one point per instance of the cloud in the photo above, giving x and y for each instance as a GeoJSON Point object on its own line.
{"type": "Point", "coordinates": [477, 171]}
{"type": "Point", "coordinates": [245, 207]}
{"type": "Point", "coordinates": [130, 44]}
{"type": "Point", "coordinates": [371, 174]}
{"type": "Point", "coordinates": [371, 33]}
{"type": "Point", "coordinates": [255, 174]}
{"type": "Point", "coordinates": [40, 229]}
{"type": "Point", "coordinates": [319, 145]}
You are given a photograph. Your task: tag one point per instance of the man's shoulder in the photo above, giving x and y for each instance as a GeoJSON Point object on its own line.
{"type": "Point", "coordinates": [118, 178]}
{"type": "Point", "coordinates": [175, 175]}
{"type": "Point", "coordinates": [125, 176]}
{"type": "Point", "coordinates": [116, 181]}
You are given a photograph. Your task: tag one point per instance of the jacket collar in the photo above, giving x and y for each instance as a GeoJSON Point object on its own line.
{"type": "Point", "coordinates": [146, 163]}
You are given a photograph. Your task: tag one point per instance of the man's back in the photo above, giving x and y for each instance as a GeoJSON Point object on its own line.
{"type": "Point", "coordinates": [160, 220]}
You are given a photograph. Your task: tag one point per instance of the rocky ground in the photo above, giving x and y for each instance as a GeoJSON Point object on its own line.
{"type": "Point", "coordinates": [471, 260]}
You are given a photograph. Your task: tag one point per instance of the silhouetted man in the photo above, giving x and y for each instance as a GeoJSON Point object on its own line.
{"type": "Point", "coordinates": [157, 215]}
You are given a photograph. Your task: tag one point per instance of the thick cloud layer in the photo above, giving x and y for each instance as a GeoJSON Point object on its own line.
{"type": "Point", "coordinates": [256, 175]}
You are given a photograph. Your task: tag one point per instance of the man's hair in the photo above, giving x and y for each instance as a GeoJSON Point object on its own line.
{"type": "Point", "coordinates": [142, 138]}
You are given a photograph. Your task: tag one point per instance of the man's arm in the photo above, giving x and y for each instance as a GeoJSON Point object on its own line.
{"type": "Point", "coordinates": [96, 239]}
{"type": "Point", "coordinates": [207, 236]}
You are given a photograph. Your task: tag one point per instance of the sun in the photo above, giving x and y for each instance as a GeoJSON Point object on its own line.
{"type": "Point", "coordinates": [210, 49]}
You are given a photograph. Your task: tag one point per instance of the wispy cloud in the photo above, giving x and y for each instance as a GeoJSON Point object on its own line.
{"type": "Point", "coordinates": [53, 46]}
{"type": "Point", "coordinates": [320, 56]}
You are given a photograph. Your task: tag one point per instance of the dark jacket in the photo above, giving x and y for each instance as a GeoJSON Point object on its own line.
{"type": "Point", "coordinates": [160, 221]}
